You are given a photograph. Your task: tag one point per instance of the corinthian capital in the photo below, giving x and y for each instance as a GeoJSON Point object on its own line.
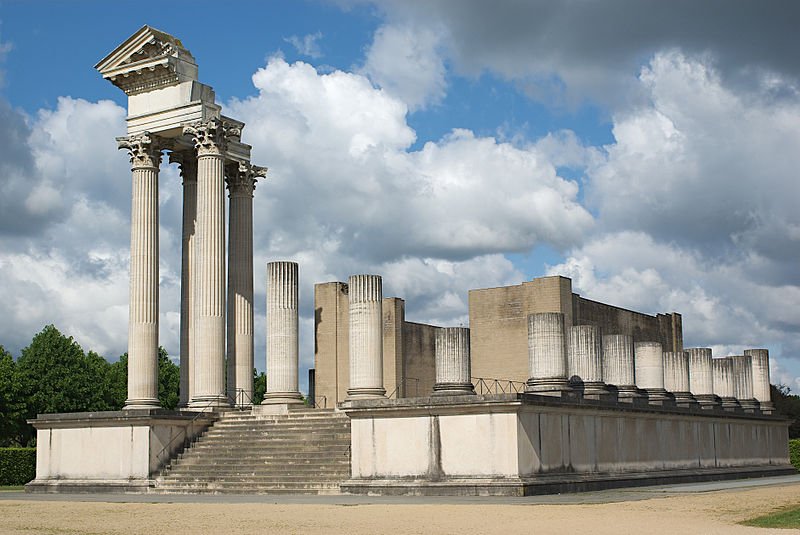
{"type": "Point", "coordinates": [144, 149]}
{"type": "Point", "coordinates": [211, 137]}
{"type": "Point", "coordinates": [242, 178]}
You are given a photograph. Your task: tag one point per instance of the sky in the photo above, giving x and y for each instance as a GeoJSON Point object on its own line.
{"type": "Point", "coordinates": [648, 150]}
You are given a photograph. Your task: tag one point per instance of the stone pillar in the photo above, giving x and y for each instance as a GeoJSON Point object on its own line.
{"type": "Point", "coordinates": [722, 368]}
{"type": "Point", "coordinates": [188, 165]}
{"type": "Point", "coordinates": [618, 367]}
{"type": "Point", "coordinates": [761, 389]}
{"type": "Point", "coordinates": [145, 156]}
{"type": "Point", "coordinates": [452, 362]}
{"type": "Point", "coordinates": [649, 371]}
{"type": "Point", "coordinates": [584, 361]}
{"type": "Point", "coordinates": [241, 184]}
{"type": "Point", "coordinates": [282, 334]}
{"type": "Point", "coordinates": [366, 337]}
{"type": "Point", "coordinates": [676, 377]}
{"type": "Point", "coordinates": [743, 382]}
{"type": "Point", "coordinates": [547, 356]}
{"type": "Point", "coordinates": [209, 268]}
{"type": "Point", "coordinates": [701, 378]}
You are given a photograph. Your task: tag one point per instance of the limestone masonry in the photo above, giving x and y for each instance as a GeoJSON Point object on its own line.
{"type": "Point", "coordinates": [543, 391]}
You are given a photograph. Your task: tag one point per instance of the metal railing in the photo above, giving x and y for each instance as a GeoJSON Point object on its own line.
{"type": "Point", "coordinates": [316, 404]}
{"type": "Point", "coordinates": [184, 434]}
{"type": "Point", "coordinates": [241, 399]}
{"type": "Point", "coordinates": [406, 380]}
{"type": "Point", "coordinates": [489, 386]}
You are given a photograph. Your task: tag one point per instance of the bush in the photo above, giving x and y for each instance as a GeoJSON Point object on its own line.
{"type": "Point", "coordinates": [794, 452]}
{"type": "Point", "coordinates": [17, 465]}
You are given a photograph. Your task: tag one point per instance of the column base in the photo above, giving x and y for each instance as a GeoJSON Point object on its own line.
{"type": "Point", "coordinates": [365, 393]}
{"type": "Point", "coordinates": [283, 398]}
{"type": "Point", "coordinates": [141, 403]}
{"type": "Point", "coordinates": [548, 386]}
{"type": "Point", "coordinates": [730, 404]}
{"type": "Point", "coordinates": [453, 389]}
{"type": "Point", "coordinates": [707, 402]}
{"type": "Point", "coordinates": [767, 407]}
{"type": "Point", "coordinates": [592, 389]}
{"type": "Point", "coordinates": [750, 405]}
{"type": "Point", "coordinates": [684, 399]}
{"type": "Point", "coordinates": [659, 396]}
{"type": "Point", "coordinates": [209, 403]}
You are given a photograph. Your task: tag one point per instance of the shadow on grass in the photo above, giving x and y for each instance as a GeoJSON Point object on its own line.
{"type": "Point", "coordinates": [788, 517]}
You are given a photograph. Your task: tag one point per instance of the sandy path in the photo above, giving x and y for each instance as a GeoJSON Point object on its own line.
{"type": "Point", "coordinates": [706, 513]}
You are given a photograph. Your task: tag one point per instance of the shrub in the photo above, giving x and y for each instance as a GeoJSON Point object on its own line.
{"type": "Point", "coordinates": [17, 465]}
{"type": "Point", "coordinates": [794, 452]}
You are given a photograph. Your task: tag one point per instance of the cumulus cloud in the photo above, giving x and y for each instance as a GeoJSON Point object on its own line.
{"type": "Point", "coordinates": [308, 45]}
{"type": "Point", "coordinates": [406, 61]}
{"type": "Point", "coordinates": [565, 52]}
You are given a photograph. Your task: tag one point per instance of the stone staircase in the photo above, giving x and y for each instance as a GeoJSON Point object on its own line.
{"type": "Point", "coordinates": [306, 451]}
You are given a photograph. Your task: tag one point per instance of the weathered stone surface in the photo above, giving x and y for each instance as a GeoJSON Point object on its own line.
{"type": "Point", "coordinates": [649, 365]}
{"type": "Point", "coordinates": [722, 368]}
{"type": "Point", "coordinates": [547, 355]}
{"type": "Point", "coordinates": [366, 337]}
{"type": "Point", "coordinates": [761, 382]}
{"type": "Point", "coordinates": [452, 362]}
{"type": "Point", "coordinates": [743, 381]}
{"type": "Point", "coordinates": [282, 333]}
{"type": "Point", "coordinates": [676, 377]}
{"type": "Point", "coordinates": [618, 365]}
{"type": "Point", "coordinates": [584, 360]}
{"type": "Point", "coordinates": [701, 377]}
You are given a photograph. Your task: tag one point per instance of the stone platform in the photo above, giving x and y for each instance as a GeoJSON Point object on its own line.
{"type": "Point", "coordinates": [523, 444]}
{"type": "Point", "coordinates": [114, 451]}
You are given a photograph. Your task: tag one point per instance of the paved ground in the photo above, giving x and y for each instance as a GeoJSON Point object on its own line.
{"type": "Point", "coordinates": [706, 508]}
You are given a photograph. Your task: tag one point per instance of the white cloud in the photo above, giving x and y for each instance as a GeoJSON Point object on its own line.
{"type": "Point", "coordinates": [308, 45]}
{"type": "Point", "coordinates": [406, 61]}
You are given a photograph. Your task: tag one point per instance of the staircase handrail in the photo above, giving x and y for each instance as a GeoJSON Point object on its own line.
{"type": "Point", "coordinates": [396, 391]}
{"type": "Point", "coordinates": [241, 395]}
{"type": "Point", "coordinates": [186, 441]}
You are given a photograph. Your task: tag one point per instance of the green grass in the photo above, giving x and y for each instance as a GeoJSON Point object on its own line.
{"type": "Point", "coordinates": [13, 488]}
{"type": "Point", "coordinates": [783, 518]}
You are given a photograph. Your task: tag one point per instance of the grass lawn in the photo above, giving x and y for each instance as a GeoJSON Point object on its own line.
{"type": "Point", "coordinates": [12, 489]}
{"type": "Point", "coordinates": [784, 518]}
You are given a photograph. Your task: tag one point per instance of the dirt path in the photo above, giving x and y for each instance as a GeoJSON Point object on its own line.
{"type": "Point", "coordinates": [706, 513]}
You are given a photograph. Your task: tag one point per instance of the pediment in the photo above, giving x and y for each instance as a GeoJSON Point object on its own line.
{"type": "Point", "coordinates": [148, 60]}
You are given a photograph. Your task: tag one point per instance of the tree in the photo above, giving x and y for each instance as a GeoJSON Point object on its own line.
{"type": "Point", "coordinates": [788, 405]}
{"type": "Point", "coordinates": [259, 386]}
{"type": "Point", "coordinates": [10, 406]}
{"type": "Point", "coordinates": [169, 380]}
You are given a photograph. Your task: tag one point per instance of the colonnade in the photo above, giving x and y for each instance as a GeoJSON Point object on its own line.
{"type": "Point", "coordinates": [206, 169]}
{"type": "Point", "coordinates": [563, 358]}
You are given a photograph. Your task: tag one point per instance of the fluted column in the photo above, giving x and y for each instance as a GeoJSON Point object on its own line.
{"type": "Point", "coordinates": [722, 368]}
{"type": "Point", "coordinates": [761, 388]}
{"type": "Point", "coordinates": [241, 184]}
{"type": "Point", "coordinates": [209, 268]}
{"type": "Point", "coordinates": [618, 367]}
{"type": "Point", "coordinates": [452, 362]}
{"type": "Point", "coordinates": [743, 382]}
{"type": "Point", "coordinates": [649, 369]}
{"type": "Point", "coordinates": [676, 377]}
{"type": "Point", "coordinates": [547, 356]}
{"type": "Point", "coordinates": [584, 360]}
{"type": "Point", "coordinates": [701, 377]}
{"type": "Point", "coordinates": [188, 165]}
{"type": "Point", "coordinates": [145, 156]}
{"type": "Point", "coordinates": [366, 337]}
{"type": "Point", "coordinates": [282, 337]}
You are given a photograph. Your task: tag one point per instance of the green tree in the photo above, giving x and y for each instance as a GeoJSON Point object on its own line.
{"type": "Point", "coordinates": [787, 404]}
{"type": "Point", "coordinates": [169, 380]}
{"type": "Point", "coordinates": [54, 375]}
{"type": "Point", "coordinates": [10, 406]}
{"type": "Point", "coordinates": [259, 386]}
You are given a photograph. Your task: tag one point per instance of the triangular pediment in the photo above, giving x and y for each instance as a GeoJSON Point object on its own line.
{"type": "Point", "coordinates": [147, 60]}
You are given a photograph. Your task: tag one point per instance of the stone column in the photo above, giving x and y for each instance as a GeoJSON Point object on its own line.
{"type": "Point", "coordinates": [547, 355]}
{"type": "Point", "coordinates": [452, 362]}
{"type": "Point", "coordinates": [676, 377]}
{"type": "Point", "coordinates": [282, 337]}
{"type": "Point", "coordinates": [722, 368]}
{"type": "Point", "coordinates": [366, 337]}
{"type": "Point", "coordinates": [618, 367]}
{"type": "Point", "coordinates": [649, 370]}
{"type": "Point", "coordinates": [742, 366]}
{"type": "Point", "coordinates": [241, 184]}
{"type": "Point", "coordinates": [761, 389]}
{"type": "Point", "coordinates": [188, 165]}
{"type": "Point", "coordinates": [584, 361]}
{"type": "Point", "coordinates": [209, 267]}
{"type": "Point", "coordinates": [145, 156]}
{"type": "Point", "coordinates": [701, 378]}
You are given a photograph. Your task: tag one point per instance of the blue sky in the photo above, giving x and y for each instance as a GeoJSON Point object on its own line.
{"type": "Point", "coordinates": [647, 150]}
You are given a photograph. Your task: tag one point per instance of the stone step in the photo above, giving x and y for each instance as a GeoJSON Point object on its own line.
{"type": "Point", "coordinates": [276, 482]}
{"type": "Point", "coordinates": [260, 469]}
{"type": "Point", "coordinates": [239, 489]}
{"type": "Point", "coordinates": [279, 439]}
